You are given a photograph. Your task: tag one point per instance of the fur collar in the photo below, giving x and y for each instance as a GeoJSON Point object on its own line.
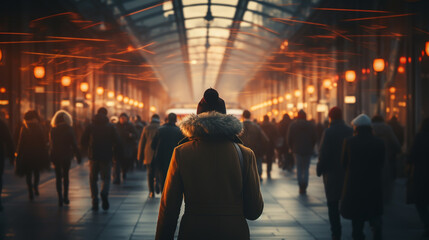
{"type": "Point", "coordinates": [211, 125]}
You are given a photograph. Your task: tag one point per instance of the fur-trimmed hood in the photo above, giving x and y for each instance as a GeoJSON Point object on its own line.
{"type": "Point", "coordinates": [211, 125]}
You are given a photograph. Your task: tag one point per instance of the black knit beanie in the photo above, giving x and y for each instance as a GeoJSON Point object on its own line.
{"type": "Point", "coordinates": [211, 102]}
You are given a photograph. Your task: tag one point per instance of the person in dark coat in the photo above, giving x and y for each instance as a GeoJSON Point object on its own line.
{"type": "Point", "coordinates": [6, 151]}
{"type": "Point", "coordinates": [285, 158]}
{"type": "Point", "coordinates": [398, 129]}
{"type": "Point", "coordinates": [362, 198]}
{"type": "Point", "coordinates": [146, 153]}
{"type": "Point", "coordinates": [302, 138]}
{"type": "Point", "coordinates": [101, 140]}
{"type": "Point", "coordinates": [164, 142]}
{"type": "Point", "coordinates": [139, 125]}
{"type": "Point", "coordinates": [124, 159]}
{"type": "Point", "coordinates": [220, 193]}
{"type": "Point", "coordinates": [272, 133]}
{"type": "Point", "coordinates": [329, 166]}
{"type": "Point", "coordinates": [393, 147]}
{"type": "Point", "coordinates": [32, 155]}
{"type": "Point", "coordinates": [419, 159]}
{"type": "Point", "coordinates": [254, 138]}
{"type": "Point", "coordinates": [63, 148]}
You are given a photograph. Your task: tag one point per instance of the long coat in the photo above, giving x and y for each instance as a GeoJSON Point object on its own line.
{"type": "Point", "coordinates": [128, 135]}
{"type": "Point", "coordinates": [164, 142]}
{"type": "Point", "coordinates": [206, 172]}
{"type": "Point", "coordinates": [254, 138]}
{"type": "Point", "coordinates": [329, 164]}
{"type": "Point", "coordinates": [6, 145]}
{"type": "Point", "coordinates": [302, 137]}
{"type": "Point", "coordinates": [63, 145]}
{"type": "Point", "coordinates": [362, 158]}
{"type": "Point", "coordinates": [32, 149]}
{"type": "Point", "coordinates": [419, 156]}
{"type": "Point", "coordinates": [145, 151]}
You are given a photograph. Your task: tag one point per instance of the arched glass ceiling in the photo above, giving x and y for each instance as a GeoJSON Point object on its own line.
{"type": "Point", "coordinates": [187, 51]}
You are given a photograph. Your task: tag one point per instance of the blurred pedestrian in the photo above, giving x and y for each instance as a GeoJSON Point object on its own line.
{"type": "Point", "coordinates": [302, 138]}
{"type": "Point", "coordinates": [329, 166]}
{"type": "Point", "coordinates": [217, 175]}
{"type": "Point", "coordinates": [285, 158]}
{"type": "Point", "coordinates": [164, 142]}
{"type": "Point", "coordinates": [32, 152]}
{"type": "Point", "coordinates": [101, 140]}
{"type": "Point", "coordinates": [392, 147]}
{"type": "Point", "coordinates": [146, 153]}
{"type": "Point", "coordinates": [139, 124]}
{"type": "Point", "coordinates": [273, 135]}
{"type": "Point", "coordinates": [398, 129]}
{"type": "Point", "coordinates": [124, 159]}
{"type": "Point", "coordinates": [63, 148]}
{"type": "Point", "coordinates": [419, 160]}
{"type": "Point", "coordinates": [6, 151]}
{"type": "Point", "coordinates": [362, 198]}
{"type": "Point", "coordinates": [254, 138]}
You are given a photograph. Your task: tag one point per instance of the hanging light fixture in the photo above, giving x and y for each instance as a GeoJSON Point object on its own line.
{"type": "Point", "coordinates": [84, 87]}
{"type": "Point", "coordinates": [378, 64]}
{"type": "Point", "coordinates": [209, 16]}
{"type": "Point", "coordinates": [39, 72]}
{"type": "Point", "coordinates": [311, 89]}
{"type": "Point", "coordinates": [65, 81]}
{"type": "Point", "coordinates": [350, 76]}
{"type": "Point", "coordinates": [100, 91]}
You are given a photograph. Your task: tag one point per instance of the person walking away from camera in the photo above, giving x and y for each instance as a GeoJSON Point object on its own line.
{"type": "Point", "coordinates": [398, 129]}
{"type": "Point", "coordinates": [329, 166]}
{"type": "Point", "coordinates": [419, 161]}
{"type": "Point", "coordinates": [362, 198]}
{"type": "Point", "coordinates": [215, 175]}
{"type": "Point", "coordinates": [285, 158]}
{"type": "Point", "coordinates": [164, 142]}
{"type": "Point", "coordinates": [125, 158]}
{"type": "Point", "coordinates": [32, 155]}
{"type": "Point", "coordinates": [254, 138]}
{"type": "Point", "coordinates": [6, 151]}
{"type": "Point", "coordinates": [101, 140]}
{"type": "Point", "coordinates": [63, 148]}
{"type": "Point", "coordinates": [392, 147]}
{"type": "Point", "coordinates": [146, 153]}
{"type": "Point", "coordinates": [273, 135]}
{"type": "Point", "coordinates": [302, 138]}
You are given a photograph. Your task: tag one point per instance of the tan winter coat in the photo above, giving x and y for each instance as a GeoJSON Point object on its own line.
{"type": "Point", "coordinates": [145, 151]}
{"type": "Point", "coordinates": [206, 172]}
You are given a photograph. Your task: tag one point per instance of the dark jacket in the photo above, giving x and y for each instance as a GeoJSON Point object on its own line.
{"type": "Point", "coordinates": [128, 135]}
{"type": "Point", "coordinates": [254, 138]}
{"type": "Point", "coordinates": [164, 142]}
{"type": "Point", "coordinates": [272, 133]}
{"type": "Point", "coordinates": [145, 151]}
{"type": "Point", "coordinates": [362, 158]}
{"type": "Point", "coordinates": [101, 139]}
{"type": "Point", "coordinates": [6, 145]}
{"type": "Point", "coordinates": [283, 130]}
{"type": "Point", "coordinates": [419, 157]}
{"type": "Point", "coordinates": [63, 145]}
{"type": "Point", "coordinates": [206, 172]}
{"type": "Point", "coordinates": [32, 149]}
{"type": "Point", "coordinates": [329, 164]}
{"type": "Point", "coordinates": [302, 137]}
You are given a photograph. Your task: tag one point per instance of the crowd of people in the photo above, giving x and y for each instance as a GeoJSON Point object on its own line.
{"type": "Point", "coordinates": [215, 161]}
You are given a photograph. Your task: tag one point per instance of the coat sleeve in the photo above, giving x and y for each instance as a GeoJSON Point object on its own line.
{"type": "Point", "coordinates": [252, 197]}
{"type": "Point", "coordinates": [171, 201]}
{"type": "Point", "coordinates": [142, 143]}
{"type": "Point", "coordinates": [323, 155]}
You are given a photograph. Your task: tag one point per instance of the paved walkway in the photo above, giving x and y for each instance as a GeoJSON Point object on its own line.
{"type": "Point", "coordinates": [132, 216]}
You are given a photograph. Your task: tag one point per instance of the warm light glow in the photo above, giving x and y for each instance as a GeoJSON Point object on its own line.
{"type": "Point", "coordinates": [270, 103]}
{"type": "Point", "coordinates": [426, 48]}
{"type": "Point", "coordinates": [288, 96]}
{"type": "Point", "coordinates": [297, 93]}
{"type": "Point", "coordinates": [363, 70]}
{"type": "Point", "coordinates": [39, 72]}
{"type": "Point", "coordinates": [111, 94]}
{"type": "Point", "coordinates": [327, 83]}
{"type": "Point", "coordinates": [275, 112]}
{"type": "Point", "coordinates": [131, 101]}
{"type": "Point", "coordinates": [275, 101]}
{"type": "Point", "coordinates": [65, 81]}
{"type": "Point", "coordinates": [120, 98]}
{"type": "Point", "coordinates": [392, 97]}
{"type": "Point", "coordinates": [349, 99]}
{"type": "Point", "coordinates": [409, 59]}
{"type": "Point", "coordinates": [284, 44]}
{"type": "Point", "coordinates": [378, 65]}
{"type": "Point", "coordinates": [392, 90]}
{"type": "Point", "coordinates": [99, 91]}
{"type": "Point", "coordinates": [136, 104]}
{"type": "Point", "coordinates": [281, 99]}
{"type": "Point", "coordinates": [88, 96]}
{"type": "Point", "coordinates": [126, 99]}
{"type": "Point", "coordinates": [2, 90]}
{"type": "Point", "coordinates": [335, 84]}
{"type": "Point", "coordinates": [141, 105]}
{"type": "Point", "coordinates": [84, 87]}
{"type": "Point", "coordinates": [350, 76]}
{"type": "Point", "coordinates": [193, 62]}
{"type": "Point", "coordinates": [152, 109]}
{"type": "Point", "coordinates": [401, 69]}
{"type": "Point", "coordinates": [1, 55]}
{"type": "Point", "coordinates": [403, 60]}
{"type": "Point", "coordinates": [311, 89]}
